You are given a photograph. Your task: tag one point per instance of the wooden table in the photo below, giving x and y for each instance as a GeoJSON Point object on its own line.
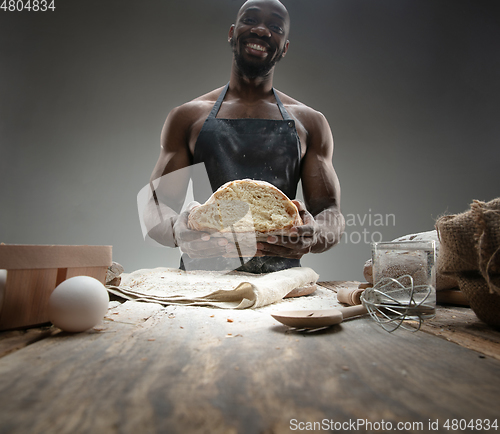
{"type": "Point", "coordinates": [180, 369]}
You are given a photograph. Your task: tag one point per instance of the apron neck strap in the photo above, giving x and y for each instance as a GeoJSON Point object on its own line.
{"type": "Point", "coordinates": [218, 103]}
{"type": "Point", "coordinates": [282, 108]}
{"type": "Point", "coordinates": [216, 107]}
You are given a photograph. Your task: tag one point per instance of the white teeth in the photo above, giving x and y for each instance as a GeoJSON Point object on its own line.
{"type": "Point", "coordinates": [257, 47]}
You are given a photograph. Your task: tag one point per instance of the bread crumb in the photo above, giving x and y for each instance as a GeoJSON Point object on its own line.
{"type": "Point", "coordinates": [229, 320]}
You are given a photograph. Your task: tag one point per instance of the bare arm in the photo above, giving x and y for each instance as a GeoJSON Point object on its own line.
{"type": "Point", "coordinates": [321, 188]}
{"type": "Point", "coordinates": [168, 183]}
{"type": "Point", "coordinates": [323, 221]}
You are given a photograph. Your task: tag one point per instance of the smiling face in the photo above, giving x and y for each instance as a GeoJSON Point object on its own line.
{"type": "Point", "coordinates": [259, 37]}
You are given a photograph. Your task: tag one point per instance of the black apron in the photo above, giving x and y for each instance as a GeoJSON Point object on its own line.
{"type": "Point", "coordinates": [261, 149]}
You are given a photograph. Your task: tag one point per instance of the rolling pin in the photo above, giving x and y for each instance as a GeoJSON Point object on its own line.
{"type": "Point", "coordinates": [350, 296]}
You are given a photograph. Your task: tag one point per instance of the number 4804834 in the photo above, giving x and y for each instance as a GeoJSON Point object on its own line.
{"type": "Point", "coordinates": [28, 5]}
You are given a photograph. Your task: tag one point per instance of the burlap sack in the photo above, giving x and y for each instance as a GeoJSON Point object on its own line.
{"type": "Point", "coordinates": [488, 234]}
{"type": "Point", "coordinates": [484, 304]}
{"type": "Point", "coordinates": [470, 246]}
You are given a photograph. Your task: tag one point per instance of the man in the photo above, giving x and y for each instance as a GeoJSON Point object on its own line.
{"type": "Point", "coordinates": [247, 129]}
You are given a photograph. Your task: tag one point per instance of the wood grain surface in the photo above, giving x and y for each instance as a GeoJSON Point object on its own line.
{"type": "Point", "coordinates": [182, 369]}
{"type": "Point", "coordinates": [461, 325]}
{"type": "Point", "coordinates": [453, 321]}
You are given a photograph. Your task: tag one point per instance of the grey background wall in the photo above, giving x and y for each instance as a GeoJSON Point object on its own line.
{"type": "Point", "coordinates": [410, 89]}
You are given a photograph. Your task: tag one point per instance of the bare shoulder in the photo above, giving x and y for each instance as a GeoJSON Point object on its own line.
{"type": "Point", "coordinates": [312, 125]}
{"type": "Point", "coordinates": [191, 111]}
{"type": "Point", "coordinates": [310, 118]}
{"type": "Point", "coordinates": [184, 122]}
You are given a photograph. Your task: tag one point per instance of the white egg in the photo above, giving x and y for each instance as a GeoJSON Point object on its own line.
{"type": "Point", "coordinates": [78, 304]}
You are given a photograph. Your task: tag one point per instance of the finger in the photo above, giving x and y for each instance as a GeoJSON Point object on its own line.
{"type": "Point", "coordinates": [188, 235]}
{"type": "Point", "coordinates": [192, 205]}
{"type": "Point", "coordinates": [307, 218]}
{"type": "Point", "coordinates": [301, 239]}
{"type": "Point", "coordinates": [299, 204]}
{"type": "Point", "coordinates": [182, 232]}
{"type": "Point", "coordinates": [291, 254]}
{"type": "Point", "coordinates": [220, 241]}
{"type": "Point", "coordinates": [303, 231]}
{"type": "Point", "coordinates": [286, 251]}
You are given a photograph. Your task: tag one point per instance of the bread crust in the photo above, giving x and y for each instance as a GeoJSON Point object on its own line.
{"type": "Point", "coordinates": [197, 216]}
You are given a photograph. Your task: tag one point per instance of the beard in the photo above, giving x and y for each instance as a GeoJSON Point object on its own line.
{"type": "Point", "coordinates": [254, 70]}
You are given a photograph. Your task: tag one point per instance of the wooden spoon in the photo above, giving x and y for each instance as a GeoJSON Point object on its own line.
{"type": "Point", "coordinates": [312, 319]}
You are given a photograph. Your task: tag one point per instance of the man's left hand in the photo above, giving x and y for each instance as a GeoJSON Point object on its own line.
{"type": "Point", "coordinates": [299, 240]}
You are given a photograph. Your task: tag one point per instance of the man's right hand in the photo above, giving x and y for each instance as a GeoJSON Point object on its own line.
{"type": "Point", "coordinates": [198, 244]}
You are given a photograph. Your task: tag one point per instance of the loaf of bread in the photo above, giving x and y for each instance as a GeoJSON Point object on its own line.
{"type": "Point", "coordinates": [245, 205]}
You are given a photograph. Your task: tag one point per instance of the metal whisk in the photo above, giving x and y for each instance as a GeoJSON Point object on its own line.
{"type": "Point", "coordinates": [383, 302]}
